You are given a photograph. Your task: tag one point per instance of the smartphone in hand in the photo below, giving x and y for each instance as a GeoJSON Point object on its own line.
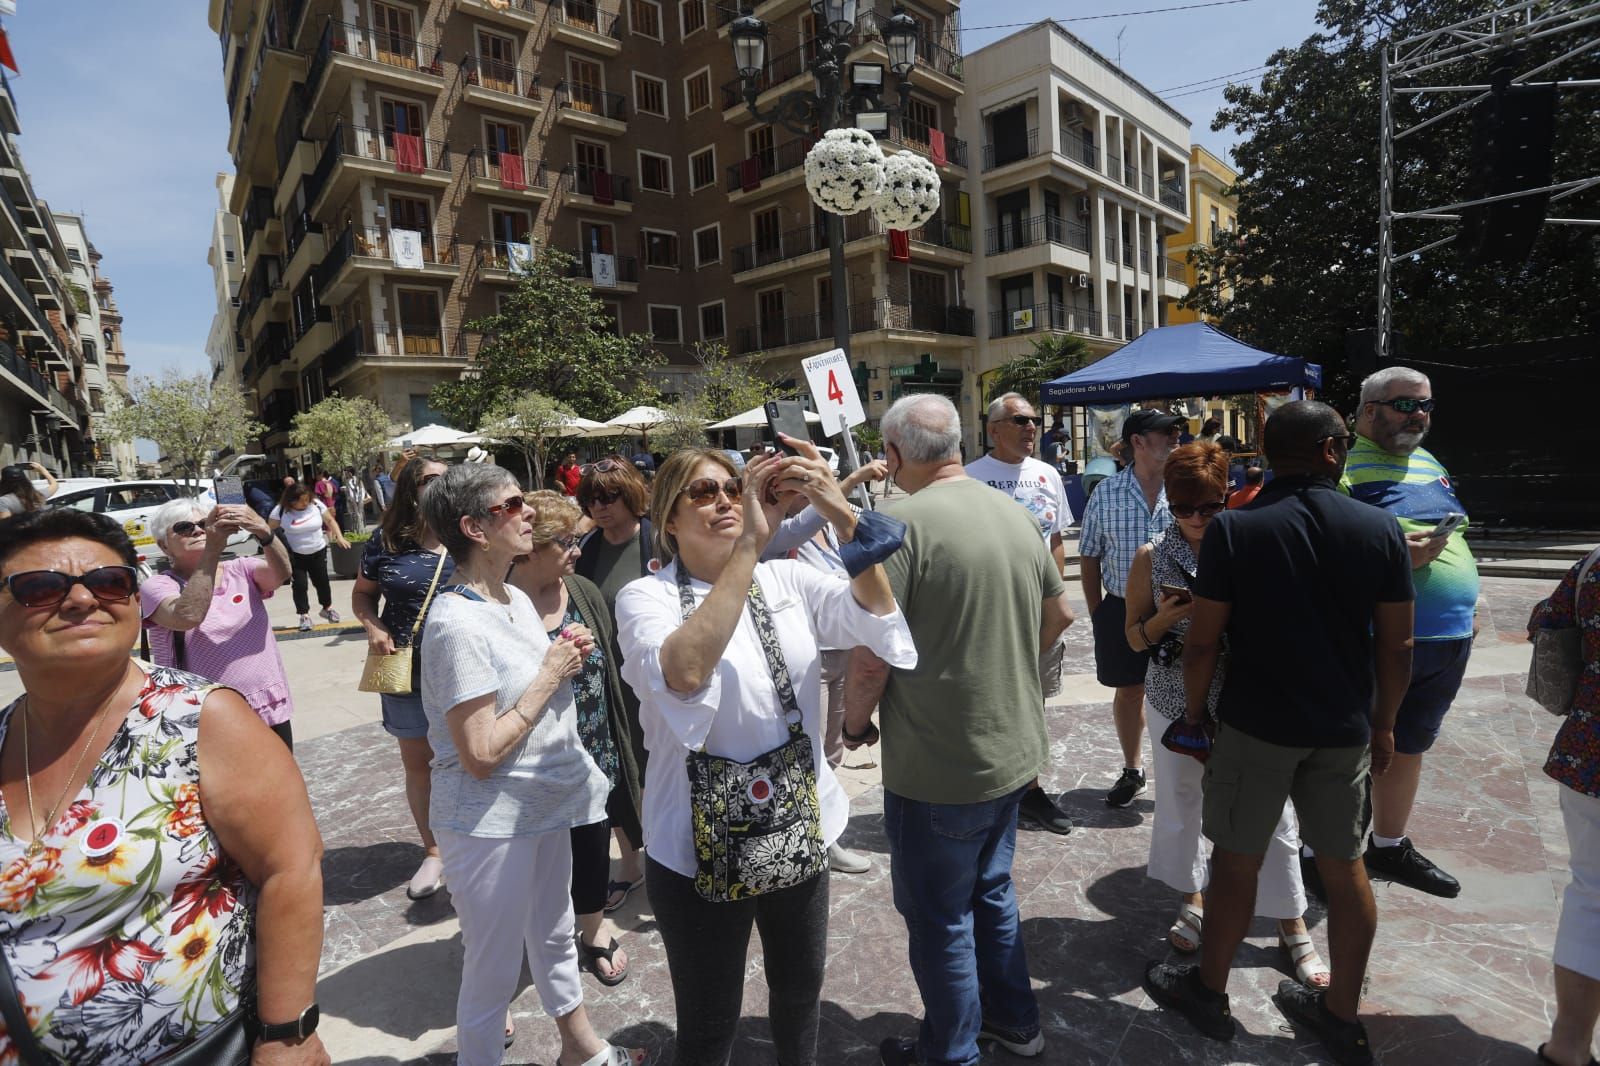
{"type": "Point", "coordinates": [1447, 525]}
{"type": "Point", "coordinates": [1183, 594]}
{"type": "Point", "coordinates": [788, 418]}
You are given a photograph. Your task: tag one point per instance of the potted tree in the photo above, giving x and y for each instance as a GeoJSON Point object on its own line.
{"type": "Point", "coordinates": [345, 433]}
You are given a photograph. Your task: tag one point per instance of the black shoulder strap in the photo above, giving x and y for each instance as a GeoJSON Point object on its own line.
{"type": "Point", "coordinates": [17, 1028]}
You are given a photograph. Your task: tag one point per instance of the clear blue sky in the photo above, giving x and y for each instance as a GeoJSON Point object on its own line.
{"type": "Point", "coordinates": [123, 119]}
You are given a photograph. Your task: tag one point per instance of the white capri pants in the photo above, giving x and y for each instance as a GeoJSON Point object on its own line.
{"type": "Point", "coordinates": [511, 894]}
{"type": "Point", "coordinates": [1578, 935]}
{"type": "Point", "coordinates": [1178, 856]}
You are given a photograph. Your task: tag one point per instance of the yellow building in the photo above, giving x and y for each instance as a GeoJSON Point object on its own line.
{"type": "Point", "coordinates": [1210, 212]}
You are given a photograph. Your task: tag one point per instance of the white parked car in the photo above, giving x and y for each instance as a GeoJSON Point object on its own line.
{"type": "Point", "coordinates": [134, 503]}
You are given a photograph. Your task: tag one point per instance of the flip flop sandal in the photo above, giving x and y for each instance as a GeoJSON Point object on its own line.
{"type": "Point", "coordinates": [589, 959]}
{"type": "Point", "coordinates": [616, 1056]}
{"type": "Point", "coordinates": [624, 887]}
{"type": "Point", "coordinates": [1546, 1058]}
{"type": "Point", "coordinates": [1187, 925]}
{"type": "Point", "coordinates": [1303, 956]}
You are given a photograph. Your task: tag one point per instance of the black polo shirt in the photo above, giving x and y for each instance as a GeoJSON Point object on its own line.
{"type": "Point", "coordinates": [1303, 566]}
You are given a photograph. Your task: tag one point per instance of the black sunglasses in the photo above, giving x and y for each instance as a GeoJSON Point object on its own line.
{"type": "Point", "coordinates": [46, 588]}
{"type": "Point", "coordinates": [184, 528]}
{"type": "Point", "coordinates": [1204, 510]}
{"type": "Point", "coordinates": [1346, 439]}
{"type": "Point", "coordinates": [602, 498]}
{"type": "Point", "coordinates": [1024, 420]}
{"type": "Point", "coordinates": [704, 490]}
{"type": "Point", "coordinates": [1407, 405]}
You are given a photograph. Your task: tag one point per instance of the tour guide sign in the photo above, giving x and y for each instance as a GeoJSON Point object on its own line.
{"type": "Point", "coordinates": [833, 389]}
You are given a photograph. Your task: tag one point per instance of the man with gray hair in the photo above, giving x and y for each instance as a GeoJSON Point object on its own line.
{"type": "Point", "coordinates": [1390, 469]}
{"type": "Point", "coordinates": [963, 736]}
{"type": "Point", "coordinates": [1011, 467]}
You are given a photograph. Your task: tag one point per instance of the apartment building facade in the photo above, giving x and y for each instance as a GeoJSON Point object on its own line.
{"type": "Point", "coordinates": [99, 329]}
{"type": "Point", "coordinates": [1081, 181]}
{"type": "Point", "coordinates": [224, 342]}
{"type": "Point", "coordinates": [1211, 211]}
{"type": "Point", "coordinates": [395, 159]}
{"type": "Point", "coordinates": [44, 409]}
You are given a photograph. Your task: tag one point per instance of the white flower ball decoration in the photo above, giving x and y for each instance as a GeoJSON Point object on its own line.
{"type": "Point", "coordinates": [910, 194]}
{"type": "Point", "coordinates": [844, 171]}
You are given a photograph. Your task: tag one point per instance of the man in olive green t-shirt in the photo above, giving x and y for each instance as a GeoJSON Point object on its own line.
{"type": "Point", "coordinates": [963, 734]}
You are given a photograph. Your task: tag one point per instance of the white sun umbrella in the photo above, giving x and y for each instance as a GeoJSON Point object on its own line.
{"type": "Point", "coordinates": [577, 426]}
{"type": "Point", "coordinates": [756, 418]}
{"type": "Point", "coordinates": [433, 436]}
{"type": "Point", "coordinates": [640, 419]}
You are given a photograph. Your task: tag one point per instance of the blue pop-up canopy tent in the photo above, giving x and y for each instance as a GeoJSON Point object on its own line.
{"type": "Point", "coordinates": [1174, 361]}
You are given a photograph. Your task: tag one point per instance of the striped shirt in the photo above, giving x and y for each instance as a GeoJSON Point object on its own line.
{"type": "Point", "coordinates": [1417, 490]}
{"type": "Point", "coordinates": [1117, 522]}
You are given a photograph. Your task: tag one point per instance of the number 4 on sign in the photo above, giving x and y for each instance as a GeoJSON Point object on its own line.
{"type": "Point", "coordinates": [833, 390]}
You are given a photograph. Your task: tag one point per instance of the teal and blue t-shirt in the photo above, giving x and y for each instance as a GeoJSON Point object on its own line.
{"type": "Point", "coordinates": [1416, 489]}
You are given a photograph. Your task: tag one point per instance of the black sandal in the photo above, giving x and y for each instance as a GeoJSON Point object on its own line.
{"type": "Point", "coordinates": [1546, 1058]}
{"type": "Point", "coordinates": [589, 959]}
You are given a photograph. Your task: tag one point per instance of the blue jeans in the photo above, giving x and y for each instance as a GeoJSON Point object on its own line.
{"type": "Point", "coordinates": [951, 868]}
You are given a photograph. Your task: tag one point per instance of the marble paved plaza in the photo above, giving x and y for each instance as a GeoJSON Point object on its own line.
{"type": "Point", "coordinates": [1463, 981]}
{"type": "Point", "coordinates": [1452, 982]}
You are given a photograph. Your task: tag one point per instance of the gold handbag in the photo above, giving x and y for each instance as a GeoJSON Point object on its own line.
{"type": "Point", "coordinates": [391, 674]}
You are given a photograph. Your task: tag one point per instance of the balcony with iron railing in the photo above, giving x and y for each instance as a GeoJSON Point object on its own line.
{"type": "Point", "coordinates": [593, 182]}
{"type": "Point", "coordinates": [509, 258]}
{"type": "Point", "coordinates": [864, 317]}
{"type": "Point", "coordinates": [485, 165]}
{"type": "Point", "coordinates": [373, 247]}
{"type": "Point", "coordinates": [255, 216]}
{"type": "Point", "coordinates": [747, 175]}
{"type": "Point", "coordinates": [301, 227]}
{"type": "Point", "coordinates": [501, 83]}
{"type": "Point", "coordinates": [1041, 229]}
{"type": "Point", "coordinates": [1172, 195]}
{"type": "Point", "coordinates": [1053, 316]}
{"type": "Point", "coordinates": [582, 99]}
{"type": "Point", "coordinates": [585, 18]}
{"type": "Point", "coordinates": [513, 12]}
{"type": "Point", "coordinates": [583, 267]}
{"type": "Point", "coordinates": [999, 155]}
{"type": "Point", "coordinates": [1147, 184]}
{"type": "Point", "coordinates": [790, 244]}
{"type": "Point", "coordinates": [382, 50]}
{"type": "Point", "coordinates": [1076, 148]}
{"type": "Point", "coordinates": [1176, 269]}
{"type": "Point", "coordinates": [916, 136]}
{"type": "Point", "coordinates": [411, 157]}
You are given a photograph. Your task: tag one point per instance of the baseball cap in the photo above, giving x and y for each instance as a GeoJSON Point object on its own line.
{"type": "Point", "coordinates": [1149, 421]}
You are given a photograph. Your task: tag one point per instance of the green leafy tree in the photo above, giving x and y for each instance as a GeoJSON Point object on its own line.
{"type": "Point", "coordinates": [344, 432]}
{"type": "Point", "coordinates": [722, 386]}
{"type": "Point", "coordinates": [531, 422]}
{"type": "Point", "coordinates": [552, 336]}
{"type": "Point", "coordinates": [684, 427]}
{"type": "Point", "coordinates": [1053, 355]}
{"type": "Point", "coordinates": [1303, 264]}
{"type": "Point", "coordinates": [188, 417]}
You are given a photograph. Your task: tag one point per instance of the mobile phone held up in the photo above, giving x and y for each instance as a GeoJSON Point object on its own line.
{"type": "Point", "coordinates": [1447, 525]}
{"type": "Point", "coordinates": [788, 418]}
{"type": "Point", "coordinates": [1183, 594]}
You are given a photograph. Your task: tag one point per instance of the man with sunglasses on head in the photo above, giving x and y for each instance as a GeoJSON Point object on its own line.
{"type": "Point", "coordinates": [1124, 511]}
{"type": "Point", "coordinates": [1389, 468]}
{"type": "Point", "coordinates": [1011, 468]}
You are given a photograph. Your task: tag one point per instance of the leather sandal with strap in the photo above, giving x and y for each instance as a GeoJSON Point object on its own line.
{"type": "Point", "coordinates": [1303, 956]}
{"type": "Point", "coordinates": [1187, 925]}
{"type": "Point", "coordinates": [589, 957]}
{"type": "Point", "coordinates": [616, 1056]}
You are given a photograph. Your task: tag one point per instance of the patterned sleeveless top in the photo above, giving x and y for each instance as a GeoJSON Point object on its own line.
{"type": "Point", "coordinates": [1173, 563]}
{"type": "Point", "coordinates": [130, 931]}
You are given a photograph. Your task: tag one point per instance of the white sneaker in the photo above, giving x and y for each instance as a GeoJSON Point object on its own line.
{"type": "Point", "coordinates": [843, 860]}
{"type": "Point", "coordinates": [331, 615]}
{"type": "Point", "coordinates": [305, 623]}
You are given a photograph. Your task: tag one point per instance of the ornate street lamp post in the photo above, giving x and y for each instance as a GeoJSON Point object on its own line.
{"type": "Point", "coordinates": [860, 96]}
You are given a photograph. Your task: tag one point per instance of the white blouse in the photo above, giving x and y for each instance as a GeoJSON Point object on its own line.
{"type": "Point", "coordinates": [736, 714]}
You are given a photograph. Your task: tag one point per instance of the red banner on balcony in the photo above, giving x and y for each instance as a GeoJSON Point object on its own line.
{"type": "Point", "coordinates": [900, 245]}
{"type": "Point", "coordinates": [602, 187]}
{"type": "Point", "coordinates": [750, 174]}
{"type": "Point", "coordinates": [5, 53]}
{"type": "Point", "coordinates": [512, 175]}
{"type": "Point", "coordinates": [408, 153]}
{"type": "Point", "coordinates": [936, 147]}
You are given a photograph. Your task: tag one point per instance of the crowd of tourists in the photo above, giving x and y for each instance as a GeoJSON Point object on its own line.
{"type": "Point", "coordinates": [673, 662]}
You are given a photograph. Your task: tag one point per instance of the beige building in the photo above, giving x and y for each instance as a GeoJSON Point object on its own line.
{"type": "Point", "coordinates": [1212, 211]}
{"type": "Point", "coordinates": [393, 159]}
{"type": "Point", "coordinates": [99, 335]}
{"type": "Point", "coordinates": [224, 343]}
{"type": "Point", "coordinates": [1082, 180]}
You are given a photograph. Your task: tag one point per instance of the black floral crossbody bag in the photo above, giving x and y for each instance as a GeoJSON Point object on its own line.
{"type": "Point", "coordinates": [757, 824]}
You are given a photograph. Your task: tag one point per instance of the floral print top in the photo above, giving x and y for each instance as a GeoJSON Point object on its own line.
{"type": "Point", "coordinates": [589, 689]}
{"type": "Point", "coordinates": [1575, 756]}
{"type": "Point", "coordinates": [129, 932]}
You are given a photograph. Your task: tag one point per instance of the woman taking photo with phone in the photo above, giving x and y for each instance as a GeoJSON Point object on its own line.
{"type": "Point", "coordinates": [1159, 602]}
{"type": "Point", "coordinates": [740, 806]}
{"type": "Point", "coordinates": [307, 524]}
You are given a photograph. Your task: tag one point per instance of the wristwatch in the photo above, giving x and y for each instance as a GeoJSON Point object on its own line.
{"type": "Point", "coordinates": [298, 1029]}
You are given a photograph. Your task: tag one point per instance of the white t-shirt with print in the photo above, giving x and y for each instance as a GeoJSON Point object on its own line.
{"type": "Point", "coordinates": [303, 528]}
{"type": "Point", "coordinates": [1032, 483]}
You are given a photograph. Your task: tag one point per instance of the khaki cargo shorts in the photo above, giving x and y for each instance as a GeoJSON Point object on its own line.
{"type": "Point", "coordinates": [1247, 782]}
{"type": "Point", "coordinates": [1050, 665]}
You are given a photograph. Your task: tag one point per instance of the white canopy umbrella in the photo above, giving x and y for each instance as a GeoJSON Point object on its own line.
{"type": "Point", "coordinates": [433, 436]}
{"type": "Point", "coordinates": [755, 418]}
{"type": "Point", "coordinates": [640, 419]}
{"type": "Point", "coordinates": [577, 426]}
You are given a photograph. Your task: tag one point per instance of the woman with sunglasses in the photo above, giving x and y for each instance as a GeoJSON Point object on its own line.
{"type": "Point", "coordinates": [307, 524]}
{"type": "Point", "coordinates": [208, 616]}
{"type": "Point", "coordinates": [399, 566]}
{"type": "Point", "coordinates": [1159, 601]}
{"type": "Point", "coordinates": [144, 898]}
{"type": "Point", "coordinates": [721, 648]}
{"type": "Point", "coordinates": [614, 496]}
{"type": "Point", "coordinates": [563, 600]}
{"type": "Point", "coordinates": [511, 776]}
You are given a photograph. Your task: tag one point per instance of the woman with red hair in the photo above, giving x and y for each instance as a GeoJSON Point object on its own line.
{"type": "Point", "coordinates": [1158, 617]}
